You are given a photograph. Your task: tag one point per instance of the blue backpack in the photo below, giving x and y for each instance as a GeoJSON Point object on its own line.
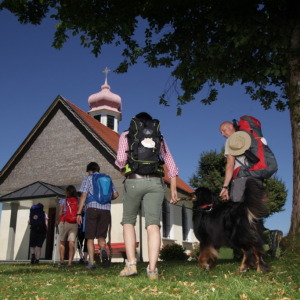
{"type": "Point", "coordinates": [102, 188]}
{"type": "Point", "coordinates": [37, 218]}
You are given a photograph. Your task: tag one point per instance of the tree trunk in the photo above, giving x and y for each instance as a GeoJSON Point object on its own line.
{"type": "Point", "coordinates": [293, 89]}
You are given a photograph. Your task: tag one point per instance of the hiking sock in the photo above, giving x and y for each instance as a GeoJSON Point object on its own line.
{"type": "Point", "coordinates": [32, 258]}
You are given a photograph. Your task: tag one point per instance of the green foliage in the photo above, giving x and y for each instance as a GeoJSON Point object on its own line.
{"type": "Point", "coordinates": [204, 42]}
{"type": "Point", "coordinates": [211, 171]}
{"type": "Point", "coordinates": [195, 251]}
{"type": "Point", "coordinates": [277, 194]}
{"type": "Point", "coordinates": [172, 252]}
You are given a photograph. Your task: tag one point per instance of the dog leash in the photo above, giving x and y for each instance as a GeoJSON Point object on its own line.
{"type": "Point", "coordinates": [202, 208]}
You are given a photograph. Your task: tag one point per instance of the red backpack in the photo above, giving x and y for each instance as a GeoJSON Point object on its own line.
{"type": "Point", "coordinates": [261, 162]}
{"type": "Point", "coordinates": [71, 210]}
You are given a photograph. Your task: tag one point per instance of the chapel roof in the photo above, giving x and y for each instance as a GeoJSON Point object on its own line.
{"type": "Point", "coordinates": [106, 137]}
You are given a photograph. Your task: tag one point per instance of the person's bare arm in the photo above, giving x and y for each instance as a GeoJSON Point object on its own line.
{"type": "Point", "coordinates": [173, 190]}
{"type": "Point", "coordinates": [228, 176]}
{"type": "Point", "coordinates": [80, 207]}
{"type": "Point", "coordinates": [115, 196]}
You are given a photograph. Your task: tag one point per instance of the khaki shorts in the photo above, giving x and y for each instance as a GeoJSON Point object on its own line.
{"type": "Point", "coordinates": [151, 192]}
{"type": "Point", "coordinates": [68, 231]}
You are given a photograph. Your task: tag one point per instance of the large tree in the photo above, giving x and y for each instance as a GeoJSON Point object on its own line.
{"type": "Point", "coordinates": [205, 42]}
{"type": "Point", "coordinates": [210, 173]}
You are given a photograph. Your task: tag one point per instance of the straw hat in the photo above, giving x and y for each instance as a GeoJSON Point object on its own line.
{"type": "Point", "coordinates": [238, 143]}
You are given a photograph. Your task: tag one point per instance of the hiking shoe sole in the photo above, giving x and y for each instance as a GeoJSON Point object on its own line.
{"type": "Point", "coordinates": [105, 260]}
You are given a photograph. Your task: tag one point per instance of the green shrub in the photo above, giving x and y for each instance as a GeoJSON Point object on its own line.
{"type": "Point", "coordinates": [172, 252]}
{"type": "Point", "coordinates": [195, 251]}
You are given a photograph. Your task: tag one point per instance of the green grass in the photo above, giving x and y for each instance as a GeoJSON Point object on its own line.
{"type": "Point", "coordinates": [178, 280]}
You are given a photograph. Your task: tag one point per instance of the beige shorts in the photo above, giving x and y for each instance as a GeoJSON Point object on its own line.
{"type": "Point", "coordinates": [68, 231]}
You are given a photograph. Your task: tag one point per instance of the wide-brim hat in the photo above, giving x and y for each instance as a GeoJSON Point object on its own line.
{"type": "Point", "coordinates": [238, 143]}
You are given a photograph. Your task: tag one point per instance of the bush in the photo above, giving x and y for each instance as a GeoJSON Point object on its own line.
{"type": "Point", "coordinates": [195, 251]}
{"type": "Point", "coordinates": [172, 252]}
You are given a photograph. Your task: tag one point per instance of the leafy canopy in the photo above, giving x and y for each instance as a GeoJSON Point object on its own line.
{"type": "Point", "coordinates": [205, 42]}
{"type": "Point", "coordinates": [211, 172]}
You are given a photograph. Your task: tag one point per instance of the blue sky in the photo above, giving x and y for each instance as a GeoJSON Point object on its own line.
{"type": "Point", "coordinates": [32, 74]}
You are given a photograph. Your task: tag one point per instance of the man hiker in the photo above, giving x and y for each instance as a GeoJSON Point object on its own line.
{"type": "Point", "coordinates": [97, 214]}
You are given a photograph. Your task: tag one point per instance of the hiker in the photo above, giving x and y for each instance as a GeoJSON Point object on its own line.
{"type": "Point", "coordinates": [227, 129]}
{"type": "Point", "coordinates": [38, 220]}
{"type": "Point", "coordinates": [68, 226]}
{"type": "Point", "coordinates": [248, 155]}
{"type": "Point", "coordinates": [236, 144]}
{"type": "Point", "coordinates": [97, 211]}
{"type": "Point", "coordinates": [144, 182]}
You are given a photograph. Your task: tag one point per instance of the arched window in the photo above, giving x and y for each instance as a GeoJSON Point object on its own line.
{"type": "Point", "coordinates": [166, 219]}
{"type": "Point", "coordinates": [184, 222]}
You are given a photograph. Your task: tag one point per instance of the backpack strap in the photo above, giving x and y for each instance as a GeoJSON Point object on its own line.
{"type": "Point", "coordinates": [235, 124]}
{"type": "Point", "coordinates": [240, 162]}
{"type": "Point", "coordinates": [163, 143]}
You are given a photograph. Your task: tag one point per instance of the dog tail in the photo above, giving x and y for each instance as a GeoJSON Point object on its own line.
{"type": "Point", "coordinates": [254, 199]}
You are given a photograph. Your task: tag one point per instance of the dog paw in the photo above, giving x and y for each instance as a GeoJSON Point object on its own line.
{"type": "Point", "coordinates": [207, 268]}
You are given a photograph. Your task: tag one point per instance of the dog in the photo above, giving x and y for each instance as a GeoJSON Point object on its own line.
{"type": "Point", "coordinates": [231, 224]}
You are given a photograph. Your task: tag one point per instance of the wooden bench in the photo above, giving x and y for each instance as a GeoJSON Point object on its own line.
{"type": "Point", "coordinates": [117, 248]}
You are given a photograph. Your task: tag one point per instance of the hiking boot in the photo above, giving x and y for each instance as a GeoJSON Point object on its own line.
{"type": "Point", "coordinates": [70, 266]}
{"type": "Point", "coordinates": [37, 261]}
{"type": "Point", "coordinates": [152, 275]}
{"type": "Point", "coordinates": [104, 258]}
{"type": "Point", "coordinates": [32, 259]}
{"type": "Point", "coordinates": [129, 270]}
{"type": "Point", "coordinates": [61, 265]}
{"type": "Point", "coordinates": [81, 261]}
{"type": "Point", "coordinates": [91, 265]}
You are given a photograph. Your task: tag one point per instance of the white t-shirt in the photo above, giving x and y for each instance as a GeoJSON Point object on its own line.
{"type": "Point", "coordinates": [241, 158]}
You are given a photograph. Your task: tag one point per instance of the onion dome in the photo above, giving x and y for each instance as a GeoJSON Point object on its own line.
{"type": "Point", "coordinates": [105, 99]}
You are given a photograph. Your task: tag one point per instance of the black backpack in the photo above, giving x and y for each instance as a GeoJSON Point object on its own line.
{"type": "Point", "coordinates": [144, 141]}
{"type": "Point", "coordinates": [261, 160]}
{"type": "Point", "coordinates": [37, 218]}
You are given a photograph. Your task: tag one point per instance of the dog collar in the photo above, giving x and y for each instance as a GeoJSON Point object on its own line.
{"type": "Point", "coordinates": [207, 207]}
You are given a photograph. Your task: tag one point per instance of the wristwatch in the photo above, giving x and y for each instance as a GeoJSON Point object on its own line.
{"type": "Point", "coordinates": [225, 187]}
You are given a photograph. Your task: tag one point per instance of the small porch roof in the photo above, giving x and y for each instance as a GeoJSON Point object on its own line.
{"type": "Point", "coordinates": [35, 192]}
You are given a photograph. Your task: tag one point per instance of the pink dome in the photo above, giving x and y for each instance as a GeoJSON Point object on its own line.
{"type": "Point", "coordinates": [105, 99]}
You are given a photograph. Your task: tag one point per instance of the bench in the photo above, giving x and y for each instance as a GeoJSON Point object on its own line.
{"type": "Point", "coordinates": [117, 248]}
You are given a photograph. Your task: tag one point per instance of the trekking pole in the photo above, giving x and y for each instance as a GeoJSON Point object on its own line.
{"type": "Point", "coordinates": [55, 243]}
{"type": "Point", "coordinates": [80, 247]}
